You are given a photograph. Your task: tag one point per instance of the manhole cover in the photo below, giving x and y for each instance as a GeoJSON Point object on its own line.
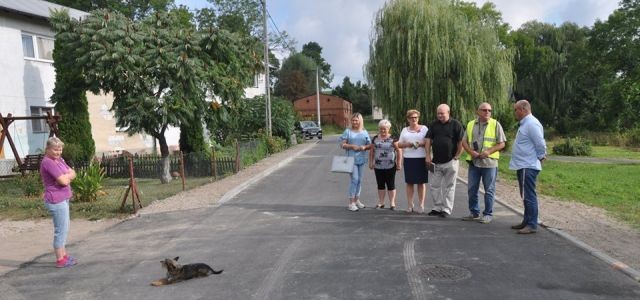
{"type": "Point", "coordinates": [442, 272]}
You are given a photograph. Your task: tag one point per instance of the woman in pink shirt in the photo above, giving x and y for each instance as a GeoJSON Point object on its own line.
{"type": "Point", "coordinates": [56, 177]}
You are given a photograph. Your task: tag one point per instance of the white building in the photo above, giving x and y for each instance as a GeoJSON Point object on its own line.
{"type": "Point", "coordinates": [27, 65]}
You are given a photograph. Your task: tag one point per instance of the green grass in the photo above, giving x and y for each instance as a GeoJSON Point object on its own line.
{"type": "Point", "coordinates": [615, 152]}
{"type": "Point", "coordinates": [609, 186]}
{"type": "Point", "coordinates": [15, 206]}
{"type": "Point", "coordinates": [371, 125]}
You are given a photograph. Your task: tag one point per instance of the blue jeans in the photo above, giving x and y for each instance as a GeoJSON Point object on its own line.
{"type": "Point", "coordinates": [60, 214]}
{"type": "Point", "coordinates": [356, 181]}
{"type": "Point", "coordinates": [527, 184]}
{"type": "Point", "coordinates": [488, 176]}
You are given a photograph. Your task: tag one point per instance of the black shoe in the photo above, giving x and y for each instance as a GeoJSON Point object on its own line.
{"type": "Point", "coordinates": [434, 213]}
{"type": "Point", "coordinates": [519, 226]}
{"type": "Point", "coordinates": [392, 208]}
{"type": "Point", "coordinates": [443, 214]}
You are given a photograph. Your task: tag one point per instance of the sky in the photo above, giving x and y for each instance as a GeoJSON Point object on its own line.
{"type": "Point", "coordinates": [343, 27]}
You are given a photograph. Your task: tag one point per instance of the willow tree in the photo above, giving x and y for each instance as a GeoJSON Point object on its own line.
{"type": "Point", "coordinates": [427, 52]}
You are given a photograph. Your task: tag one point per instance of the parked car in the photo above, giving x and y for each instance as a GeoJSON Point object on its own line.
{"type": "Point", "coordinates": [309, 129]}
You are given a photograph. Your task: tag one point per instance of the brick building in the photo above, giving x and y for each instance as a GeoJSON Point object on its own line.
{"type": "Point", "coordinates": [333, 109]}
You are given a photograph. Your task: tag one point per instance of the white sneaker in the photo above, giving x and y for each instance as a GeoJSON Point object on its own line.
{"type": "Point", "coordinates": [360, 204]}
{"type": "Point", "coordinates": [486, 219]}
{"type": "Point", "coordinates": [353, 207]}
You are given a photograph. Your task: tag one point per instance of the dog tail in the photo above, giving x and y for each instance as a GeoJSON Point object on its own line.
{"type": "Point", "coordinates": [214, 271]}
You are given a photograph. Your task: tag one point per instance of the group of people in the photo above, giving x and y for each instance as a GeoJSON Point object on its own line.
{"type": "Point", "coordinates": [426, 154]}
{"type": "Point", "coordinates": [431, 154]}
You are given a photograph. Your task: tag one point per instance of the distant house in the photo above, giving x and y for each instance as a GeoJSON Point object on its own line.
{"type": "Point", "coordinates": [333, 109]}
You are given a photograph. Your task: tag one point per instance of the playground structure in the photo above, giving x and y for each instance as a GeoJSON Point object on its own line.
{"type": "Point", "coordinates": [31, 162]}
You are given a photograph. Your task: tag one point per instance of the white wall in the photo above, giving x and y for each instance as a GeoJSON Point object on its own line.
{"type": "Point", "coordinates": [25, 82]}
{"type": "Point", "coordinates": [257, 89]}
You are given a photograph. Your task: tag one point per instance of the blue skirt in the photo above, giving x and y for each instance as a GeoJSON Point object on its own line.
{"type": "Point", "coordinates": [415, 170]}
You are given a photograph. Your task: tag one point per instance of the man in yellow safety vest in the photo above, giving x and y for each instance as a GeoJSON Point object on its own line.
{"type": "Point", "coordinates": [482, 144]}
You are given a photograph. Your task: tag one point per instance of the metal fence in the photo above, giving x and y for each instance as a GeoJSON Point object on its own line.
{"type": "Point", "coordinates": [150, 166]}
{"type": "Point", "coordinates": [196, 164]}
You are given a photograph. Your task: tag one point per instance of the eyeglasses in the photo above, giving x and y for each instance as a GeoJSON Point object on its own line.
{"type": "Point", "coordinates": [485, 110]}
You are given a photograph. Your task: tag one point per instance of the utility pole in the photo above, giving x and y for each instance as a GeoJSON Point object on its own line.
{"type": "Point", "coordinates": [266, 69]}
{"type": "Point", "coordinates": [318, 97]}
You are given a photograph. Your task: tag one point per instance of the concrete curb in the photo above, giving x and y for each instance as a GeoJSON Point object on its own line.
{"type": "Point", "coordinates": [612, 262]}
{"type": "Point", "coordinates": [238, 189]}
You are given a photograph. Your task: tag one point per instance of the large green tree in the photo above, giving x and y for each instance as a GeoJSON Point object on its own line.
{"type": "Point", "coordinates": [296, 78]}
{"type": "Point", "coordinates": [357, 93]}
{"type": "Point", "coordinates": [158, 70]}
{"type": "Point", "coordinates": [70, 99]}
{"type": "Point", "coordinates": [314, 51]}
{"type": "Point", "coordinates": [427, 52]}
{"type": "Point", "coordinates": [615, 42]}
{"type": "Point", "coordinates": [546, 55]}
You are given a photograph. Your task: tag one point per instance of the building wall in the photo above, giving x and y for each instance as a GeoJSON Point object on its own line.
{"type": "Point", "coordinates": [25, 82]}
{"type": "Point", "coordinates": [257, 88]}
{"type": "Point", "coordinates": [107, 137]}
{"type": "Point", "coordinates": [333, 109]}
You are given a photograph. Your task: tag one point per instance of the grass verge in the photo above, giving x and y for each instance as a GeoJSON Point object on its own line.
{"type": "Point", "coordinates": [15, 206]}
{"type": "Point", "coordinates": [608, 186]}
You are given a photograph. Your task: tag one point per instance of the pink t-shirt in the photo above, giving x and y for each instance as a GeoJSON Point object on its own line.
{"type": "Point", "coordinates": [50, 170]}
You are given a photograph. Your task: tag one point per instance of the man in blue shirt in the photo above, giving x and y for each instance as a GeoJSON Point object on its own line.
{"type": "Point", "coordinates": [529, 150]}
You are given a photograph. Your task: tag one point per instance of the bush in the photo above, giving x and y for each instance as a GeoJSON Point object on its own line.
{"type": "Point", "coordinates": [573, 147]}
{"type": "Point", "coordinates": [31, 184]}
{"type": "Point", "coordinates": [276, 144]}
{"type": "Point", "coordinates": [73, 153]}
{"type": "Point", "coordinates": [633, 137]}
{"type": "Point", "coordinates": [88, 183]}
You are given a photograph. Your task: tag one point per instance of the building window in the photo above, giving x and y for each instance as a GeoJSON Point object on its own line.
{"type": "Point", "coordinates": [41, 124]}
{"type": "Point", "coordinates": [37, 47]}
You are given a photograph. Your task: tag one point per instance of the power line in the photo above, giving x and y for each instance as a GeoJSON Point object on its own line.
{"type": "Point", "coordinates": [274, 23]}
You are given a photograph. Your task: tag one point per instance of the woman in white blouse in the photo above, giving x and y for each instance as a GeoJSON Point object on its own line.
{"type": "Point", "coordinates": [412, 140]}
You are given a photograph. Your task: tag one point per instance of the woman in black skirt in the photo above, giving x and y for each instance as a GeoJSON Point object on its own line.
{"type": "Point", "coordinates": [412, 140]}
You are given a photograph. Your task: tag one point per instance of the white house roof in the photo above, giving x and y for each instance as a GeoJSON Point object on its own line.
{"type": "Point", "coordinates": [38, 8]}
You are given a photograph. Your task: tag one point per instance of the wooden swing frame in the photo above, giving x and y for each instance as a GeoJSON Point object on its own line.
{"type": "Point", "coordinates": [30, 161]}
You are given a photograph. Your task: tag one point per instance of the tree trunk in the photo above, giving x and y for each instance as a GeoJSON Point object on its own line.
{"type": "Point", "coordinates": [165, 172]}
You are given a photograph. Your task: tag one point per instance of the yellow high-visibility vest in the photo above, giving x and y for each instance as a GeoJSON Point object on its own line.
{"type": "Point", "coordinates": [490, 138]}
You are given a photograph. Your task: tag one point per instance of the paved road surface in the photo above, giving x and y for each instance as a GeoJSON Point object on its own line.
{"type": "Point", "coordinates": [290, 236]}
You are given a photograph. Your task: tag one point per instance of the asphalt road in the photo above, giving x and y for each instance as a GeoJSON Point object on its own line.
{"type": "Point", "coordinates": [290, 236]}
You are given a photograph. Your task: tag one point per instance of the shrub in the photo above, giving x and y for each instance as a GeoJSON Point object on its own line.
{"type": "Point", "coordinates": [633, 137]}
{"type": "Point", "coordinates": [573, 147]}
{"type": "Point", "coordinates": [73, 154]}
{"type": "Point", "coordinates": [31, 184]}
{"type": "Point", "coordinates": [88, 183]}
{"type": "Point", "coordinates": [276, 144]}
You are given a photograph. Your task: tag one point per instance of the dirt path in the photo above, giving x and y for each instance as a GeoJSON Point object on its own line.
{"type": "Point", "coordinates": [24, 240]}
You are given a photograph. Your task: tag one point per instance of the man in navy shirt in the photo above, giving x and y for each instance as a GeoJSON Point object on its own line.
{"type": "Point", "coordinates": [445, 139]}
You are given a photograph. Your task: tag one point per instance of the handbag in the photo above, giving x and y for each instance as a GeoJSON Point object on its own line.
{"type": "Point", "coordinates": [343, 163]}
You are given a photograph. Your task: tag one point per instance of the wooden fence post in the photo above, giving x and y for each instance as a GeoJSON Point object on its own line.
{"type": "Point", "coordinates": [214, 163]}
{"type": "Point", "coordinates": [237, 169]}
{"type": "Point", "coordinates": [133, 188]}
{"type": "Point", "coordinates": [182, 169]}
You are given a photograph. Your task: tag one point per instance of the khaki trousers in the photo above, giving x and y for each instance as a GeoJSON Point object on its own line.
{"type": "Point", "coordinates": [442, 185]}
